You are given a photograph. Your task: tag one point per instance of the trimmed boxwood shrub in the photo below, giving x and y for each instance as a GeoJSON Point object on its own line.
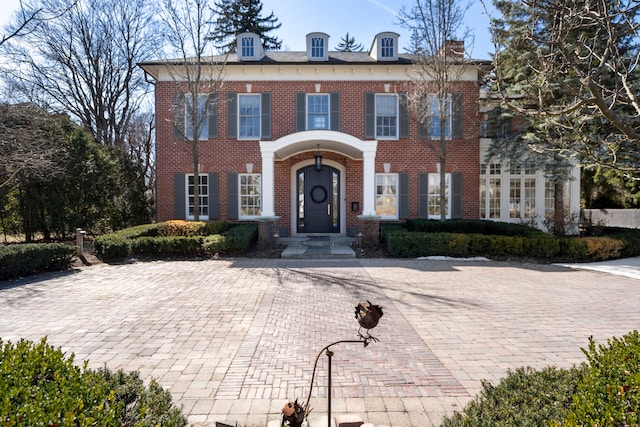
{"type": "Point", "coordinates": [40, 386]}
{"type": "Point", "coordinates": [31, 258]}
{"type": "Point", "coordinates": [167, 245]}
{"type": "Point", "coordinates": [237, 239]}
{"type": "Point", "coordinates": [525, 397]}
{"type": "Point", "coordinates": [609, 392]}
{"type": "Point", "coordinates": [467, 226]}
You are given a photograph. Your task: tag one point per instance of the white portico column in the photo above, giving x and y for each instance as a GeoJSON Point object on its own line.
{"type": "Point", "coordinates": [268, 186]}
{"type": "Point", "coordinates": [369, 178]}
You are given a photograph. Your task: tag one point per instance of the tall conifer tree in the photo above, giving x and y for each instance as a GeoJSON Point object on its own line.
{"type": "Point", "coordinates": [240, 16]}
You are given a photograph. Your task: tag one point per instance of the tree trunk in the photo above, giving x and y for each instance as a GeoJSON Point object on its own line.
{"type": "Point", "coordinates": [558, 207]}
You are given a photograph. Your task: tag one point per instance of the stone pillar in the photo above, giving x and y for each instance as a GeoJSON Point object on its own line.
{"type": "Point", "coordinates": [267, 231]}
{"type": "Point", "coordinates": [369, 228]}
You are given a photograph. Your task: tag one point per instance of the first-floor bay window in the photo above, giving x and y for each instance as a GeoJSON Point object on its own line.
{"type": "Point", "coordinates": [490, 191]}
{"type": "Point", "coordinates": [387, 195]}
{"type": "Point", "coordinates": [203, 197]}
{"type": "Point", "coordinates": [250, 191]}
{"type": "Point", "coordinates": [435, 198]}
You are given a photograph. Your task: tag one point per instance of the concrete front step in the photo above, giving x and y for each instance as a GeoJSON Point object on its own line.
{"type": "Point", "coordinates": [318, 247]}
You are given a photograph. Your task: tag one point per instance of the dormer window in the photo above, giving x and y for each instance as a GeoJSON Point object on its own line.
{"type": "Point", "coordinates": [249, 47]}
{"type": "Point", "coordinates": [385, 47]}
{"type": "Point", "coordinates": [317, 44]}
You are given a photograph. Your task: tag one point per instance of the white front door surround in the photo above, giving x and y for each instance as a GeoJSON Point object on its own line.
{"type": "Point", "coordinates": [337, 142]}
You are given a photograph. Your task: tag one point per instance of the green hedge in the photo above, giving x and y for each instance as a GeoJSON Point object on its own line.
{"type": "Point", "coordinates": [467, 226]}
{"type": "Point", "coordinates": [603, 391]}
{"type": "Point", "coordinates": [31, 258]}
{"type": "Point", "coordinates": [178, 238]}
{"type": "Point", "coordinates": [406, 244]}
{"type": "Point", "coordinates": [39, 386]}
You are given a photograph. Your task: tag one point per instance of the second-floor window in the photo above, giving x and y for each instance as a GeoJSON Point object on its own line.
{"type": "Point", "coordinates": [200, 115]}
{"type": "Point", "coordinates": [439, 117]}
{"type": "Point", "coordinates": [386, 116]}
{"type": "Point", "coordinates": [317, 112]}
{"type": "Point", "coordinates": [249, 116]}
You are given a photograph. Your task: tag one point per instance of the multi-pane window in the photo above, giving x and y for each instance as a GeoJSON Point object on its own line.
{"type": "Point", "coordinates": [490, 190]}
{"type": "Point", "coordinates": [203, 197]}
{"type": "Point", "coordinates": [436, 121]}
{"type": "Point", "coordinates": [250, 195]}
{"type": "Point", "coordinates": [434, 198]}
{"type": "Point", "coordinates": [386, 47]}
{"type": "Point", "coordinates": [386, 116]}
{"type": "Point", "coordinates": [550, 196]}
{"type": "Point", "coordinates": [248, 47]}
{"type": "Point", "coordinates": [317, 112]}
{"type": "Point", "coordinates": [249, 116]}
{"type": "Point", "coordinates": [522, 194]}
{"type": "Point", "coordinates": [387, 195]}
{"type": "Point", "coordinates": [317, 47]}
{"type": "Point", "coordinates": [200, 115]}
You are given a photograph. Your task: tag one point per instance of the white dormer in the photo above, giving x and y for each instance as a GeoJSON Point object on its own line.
{"type": "Point", "coordinates": [385, 47]}
{"type": "Point", "coordinates": [318, 47]}
{"type": "Point", "coordinates": [249, 47]}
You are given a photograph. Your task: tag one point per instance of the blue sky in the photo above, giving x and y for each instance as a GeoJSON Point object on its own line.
{"type": "Point", "coordinates": [363, 19]}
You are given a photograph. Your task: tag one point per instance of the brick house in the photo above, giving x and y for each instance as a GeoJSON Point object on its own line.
{"type": "Point", "coordinates": [320, 142]}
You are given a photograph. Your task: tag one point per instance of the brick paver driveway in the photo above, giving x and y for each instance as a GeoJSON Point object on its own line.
{"type": "Point", "coordinates": [236, 339]}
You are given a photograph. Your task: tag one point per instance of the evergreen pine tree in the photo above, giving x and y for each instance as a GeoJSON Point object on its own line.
{"type": "Point", "coordinates": [348, 44]}
{"type": "Point", "coordinates": [240, 16]}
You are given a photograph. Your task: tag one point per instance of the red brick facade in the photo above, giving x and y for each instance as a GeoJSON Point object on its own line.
{"type": "Point", "coordinates": [222, 155]}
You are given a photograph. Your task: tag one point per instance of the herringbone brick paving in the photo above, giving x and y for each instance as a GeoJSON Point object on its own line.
{"type": "Point", "coordinates": [236, 339]}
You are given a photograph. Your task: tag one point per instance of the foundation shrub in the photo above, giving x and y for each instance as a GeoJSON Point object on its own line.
{"type": "Point", "coordinates": [471, 227]}
{"type": "Point", "coordinates": [31, 258]}
{"type": "Point", "coordinates": [40, 386]}
{"type": "Point", "coordinates": [112, 246]}
{"type": "Point", "coordinates": [168, 246]}
{"type": "Point", "coordinates": [525, 397]}
{"type": "Point", "coordinates": [236, 240]}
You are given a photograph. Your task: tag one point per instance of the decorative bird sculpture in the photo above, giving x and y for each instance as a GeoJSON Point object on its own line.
{"type": "Point", "coordinates": [293, 414]}
{"type": "Point", "coordinates": [368, 316]}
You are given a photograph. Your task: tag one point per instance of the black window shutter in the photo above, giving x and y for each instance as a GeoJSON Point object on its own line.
{"type": "Point", "coordinates": [266, 115]}
{"type": "Point", "coordinates": [180, 200]}
{"type": "Point", "coordinates": [403, 120]}
{"type": "Point", "coordinates": [403, 195]}
{"type": "Point", "coordinates": [178, 115]}
{"type": "Point", "coordinates": [456, 112]}
{"type": "Point", "coordinates": [214, 196]}
{"type": "Point", "coordinates": [423, 195]}
{"type": "Point", "coordinates": [301, 111]}
{"type": "Point", "coordinates": [212, 109]}
{"type": "Point", "coordinates": [456, 194]}
{"type": "Point", "coordinates": [334, 102]}
{"type": "Point", "coordinates": [422, 123]}
{"type": "Point", "coordinates": [232, 196]}
{"type": "Point", "coordinates": [370, 115]}
{"type": "Point", "coordinates": [232, 115]}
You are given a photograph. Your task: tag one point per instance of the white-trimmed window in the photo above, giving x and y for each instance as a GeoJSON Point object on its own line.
{"type": "Point", "coordinates": [248, 47]}
{"type": "Point", "coordinates": [434, 106]}
{"type": "Point", "coordinates": [317, 47]}
{"type": "Point", "coordinates": [386, 116]}
{"type": "Point", "coordinates": [550, 197]}
{"type": "Point", "coordinates": [317, 111]}
{"type": "Point", "coordinates": [250, 190]}
{"type": "Point", "coordinates": [522, 193]}
{"type": "Point", "coordinates": [203, 197]}
{"type": "Point", "coordinates": [490, 190]}
{"type": "Point", "coordinates": [202, 118]}
{"type": "Point", "coordinates": [387, 195]}
{"type": "Point", "coordinates": [249, 116]}
{"type": "Point", "coordinates": [387, 47]}
{"type": "Point", "coordinates": [434, 196]}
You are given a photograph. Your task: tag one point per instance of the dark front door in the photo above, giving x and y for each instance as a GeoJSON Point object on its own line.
{"type": "Point", "coordinates": [318, 200]}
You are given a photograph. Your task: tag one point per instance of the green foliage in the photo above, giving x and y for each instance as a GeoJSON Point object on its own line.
{"type": "Point", "coordinates": [40, 386]}
{"type": "Point", "coordinates": [525, 397]}
{"type": "Point", "coordinates": [177, 238]}
{"type": "Point", "coordinates": [536, 245]}
{"type": "Point", "coordinates": [609, 392]}
{"type": "Point", "coordinates": [30, 258]}
{"type": "Point", "coordinates": [237, 240]}
{"type": "Point", "coordinates": [239, 16]}
{"type": "Point", "coordinates": [472, 226]}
